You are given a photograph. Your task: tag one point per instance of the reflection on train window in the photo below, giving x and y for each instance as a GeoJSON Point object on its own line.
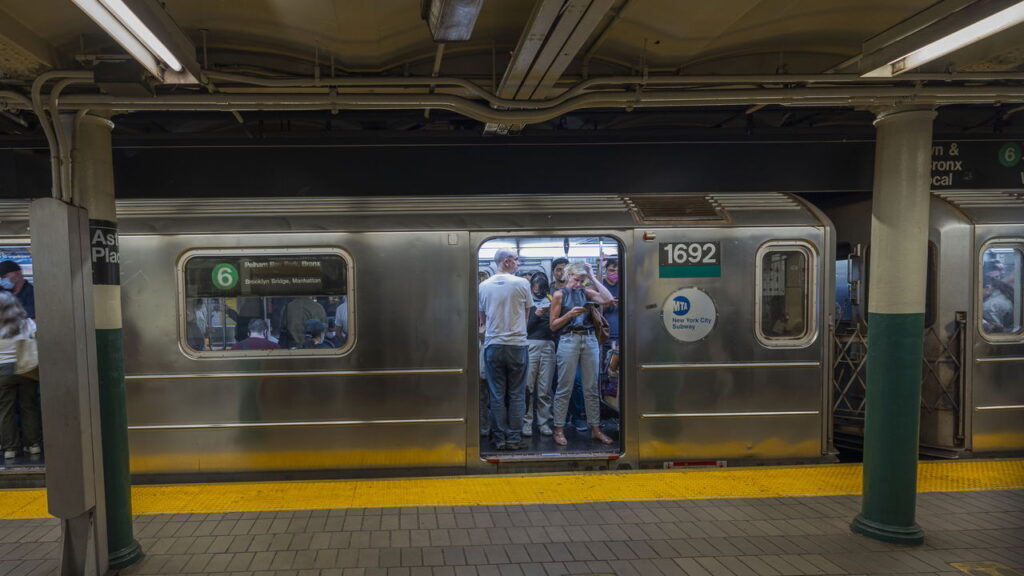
{"type": "Point", "coordinates": [573, 384]}
{"type": "Point", "coordinates": [262, 301]}
{"type": "Point", "coordinates": [784, 317]}
{"type": "Point", "coordinates": [1001, 299]}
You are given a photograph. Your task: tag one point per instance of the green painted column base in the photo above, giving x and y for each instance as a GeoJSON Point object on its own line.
{"type": "Point", "coordinates": [907, 535]}
{"type": "Point", "coordinates": [122, 547]}
{"type": "Point", "coordinates": [125, 557]}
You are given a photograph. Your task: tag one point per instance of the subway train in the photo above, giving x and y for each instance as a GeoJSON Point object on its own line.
{"type": "Point", "coordinates": [972, 398]}
{"type": "Point", "coordinates": [728, 312]}
{"type": "Point", "coordinates": [742, 336]}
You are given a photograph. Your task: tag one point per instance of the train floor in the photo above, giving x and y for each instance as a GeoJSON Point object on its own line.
{"type": "Point", "coordinates": [767, 521]}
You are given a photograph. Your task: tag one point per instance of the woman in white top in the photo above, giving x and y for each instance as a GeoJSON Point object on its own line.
{"type": "Point", "coordinates": [16, 389]}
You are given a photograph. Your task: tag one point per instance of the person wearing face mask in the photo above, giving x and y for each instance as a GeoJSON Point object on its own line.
{"type": "Point", "coordinates": [540, 341]}
{"type": "Point", "coordinates": [12, 280]}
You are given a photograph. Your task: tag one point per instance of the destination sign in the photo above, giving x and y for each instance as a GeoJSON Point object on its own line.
{"type": "Point", "coordinates": [293, 275]}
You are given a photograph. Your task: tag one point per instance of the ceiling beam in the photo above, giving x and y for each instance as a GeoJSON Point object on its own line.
{"type": "Point", "coordinates": [22, 52]}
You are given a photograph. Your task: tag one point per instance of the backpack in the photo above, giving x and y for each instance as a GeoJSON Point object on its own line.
{"type": "Point", "coordinates": [601, 327]}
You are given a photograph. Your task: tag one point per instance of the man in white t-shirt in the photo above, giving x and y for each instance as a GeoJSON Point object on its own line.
{"type": "Point", "coordinates": [504, 305]}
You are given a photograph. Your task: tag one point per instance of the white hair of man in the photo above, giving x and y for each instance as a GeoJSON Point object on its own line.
{"type": "Point", "coordinates": [502, 254]}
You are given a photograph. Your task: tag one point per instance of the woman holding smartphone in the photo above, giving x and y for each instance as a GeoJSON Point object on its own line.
{"type": "Point", "coordinates": [577, 346]}
{"type": "Point", "coordinates": [541, 342]}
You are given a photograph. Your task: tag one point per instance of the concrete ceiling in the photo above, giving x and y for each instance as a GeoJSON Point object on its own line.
{"type": "Point", "coordinates": [389, 39]}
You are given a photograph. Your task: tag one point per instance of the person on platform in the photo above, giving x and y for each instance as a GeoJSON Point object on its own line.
{"type": "Point", "coordinates": [15, 389]}
{"type": "Point", "coordinates": [504, 306]}
{"type": "Point", "coordinates": [12, 279]}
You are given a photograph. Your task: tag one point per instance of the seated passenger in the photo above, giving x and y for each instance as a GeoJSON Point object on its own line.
{"type": "Point", "coordinates": [257, 339]}
{"type": "Point", "coordinates": [997, 308]}
{"type": "Point", "coordinates": [316, 335]}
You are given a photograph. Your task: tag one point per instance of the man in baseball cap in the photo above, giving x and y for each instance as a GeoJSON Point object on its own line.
{"type": "Point", "coordinates": [11, 279]}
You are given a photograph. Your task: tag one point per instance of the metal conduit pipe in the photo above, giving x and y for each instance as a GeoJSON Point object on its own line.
{"type": "Point", "coordinates": [20, 101]}
{"type": "Point", "coordinates": [785, 97]}
{"type": "Point", "coordinates": [586, 85]}
{"type": "Point", "coordinates": [63, 143]}
{"type": "Point", "coordinates": [45, 121]}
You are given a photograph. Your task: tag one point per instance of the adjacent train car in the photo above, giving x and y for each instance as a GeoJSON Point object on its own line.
{"type": "Point", "coordinates": [725, 313]}
{"type": "Point", "coordinates": [972, 399]}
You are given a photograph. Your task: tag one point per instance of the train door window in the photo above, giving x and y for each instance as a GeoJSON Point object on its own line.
{"type": "Point", "coordinates": [571, 378]}
{"type": "Point", "coordinates": [785, 287]}
{"type": "Point", "coordinates": [1001, 299]}
{"type": "Point", "coordinates": [265, 302]}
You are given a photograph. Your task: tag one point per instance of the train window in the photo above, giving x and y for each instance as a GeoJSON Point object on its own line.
{"type": "Point", "coordinates": [260, 302]}
{"type": "Point", "coordinates": [1000, 299]}
{"type": "Point", "coordinates": [785, 315]}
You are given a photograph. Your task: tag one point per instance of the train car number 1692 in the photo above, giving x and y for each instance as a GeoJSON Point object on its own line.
{"type": "Point", "coordinates": [689, 254]}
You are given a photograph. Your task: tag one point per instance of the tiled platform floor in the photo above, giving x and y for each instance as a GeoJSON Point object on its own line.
{"type": "Point", "coordinates": [741, 537]}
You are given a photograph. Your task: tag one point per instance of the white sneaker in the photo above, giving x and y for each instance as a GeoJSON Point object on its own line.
{"type": "Point", "coordinates": [9, 454]}
{"type": "Point", "coordinates": [35, 449]}
{"type": "Point", "coordinates": [527, 431]}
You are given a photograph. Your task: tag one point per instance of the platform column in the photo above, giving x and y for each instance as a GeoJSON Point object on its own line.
{"type": "Point", "coordinates": [899, 256]}
{"type": "Point", "coordinates": [93, 177]}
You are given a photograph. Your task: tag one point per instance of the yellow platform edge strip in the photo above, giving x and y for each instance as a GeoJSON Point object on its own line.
{"type": "Point", "coordinates": [746, 482]}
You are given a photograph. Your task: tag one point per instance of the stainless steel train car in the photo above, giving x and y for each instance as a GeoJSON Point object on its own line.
{"type": "Point", "coordinates": [972, 394]}
{"type": "Point", "coordinates": [726, 303]}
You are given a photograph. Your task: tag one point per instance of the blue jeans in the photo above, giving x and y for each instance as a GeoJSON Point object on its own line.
{"type": "Point", "coordinates": [577, 350]}
{"type": "Point", "coordinates": [506, 381]}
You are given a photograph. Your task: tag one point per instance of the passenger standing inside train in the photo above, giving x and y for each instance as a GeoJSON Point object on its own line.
{"type": "Point", "coordinates": [611, 314]}
{"type": "Point", "coordinates": [997, 308]}
{"type": "Point", "coordinates": [577, 346]}
{"type": "Point", "coordinates": [541, 342]}
{"type": "Point", "coordinates": [504, 306]}
{"type": "Point", "coordinates": [16, 389]}
{"type": "Point", "coordinates": [295, 315]}
{"type": "Point", "coordinates": [12, 279]}
{"type": "Point", "coordinates": [558, 273]}
{"type": "Point", "coordinates": [341, 322]}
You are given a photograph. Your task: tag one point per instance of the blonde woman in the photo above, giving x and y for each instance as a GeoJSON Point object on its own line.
{"type": "Point", "coordinates": [16, 325]}
{"type": "Point", "coordinates": [577, 346]}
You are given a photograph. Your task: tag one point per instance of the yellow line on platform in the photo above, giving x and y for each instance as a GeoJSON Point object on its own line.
{"type": "Point", "coordinates": [746, 482]}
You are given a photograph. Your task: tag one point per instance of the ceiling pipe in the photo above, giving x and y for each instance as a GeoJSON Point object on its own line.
{"type": "Point", "coordinates": [832, 97]}
{"type": "Point", "coordinates": [48, 123]}
{"type": "Point", "coordinates": [592, 83]}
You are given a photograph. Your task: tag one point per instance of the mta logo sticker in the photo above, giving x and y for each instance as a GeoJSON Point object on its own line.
{"type": "Point", "coordinates": [682, 306]}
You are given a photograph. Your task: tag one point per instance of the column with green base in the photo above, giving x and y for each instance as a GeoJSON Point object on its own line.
{"type": "Point", "coordinates": [94, 190]}
{"type": "Point", "coordinates": [899, 255]}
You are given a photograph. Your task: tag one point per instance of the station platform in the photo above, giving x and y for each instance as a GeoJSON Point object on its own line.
{"type": "Point", "coordinates": [765, 521]}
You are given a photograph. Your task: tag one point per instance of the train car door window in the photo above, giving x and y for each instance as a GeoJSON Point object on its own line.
{"type": "Point", "coordinates": [266, 302]}
{"type": "Point", "coordinates": [1000, 302]}
{"type": "Point", "coordinates": [570, 405]}
{"type": "Point", "coordinates": [785, 288]}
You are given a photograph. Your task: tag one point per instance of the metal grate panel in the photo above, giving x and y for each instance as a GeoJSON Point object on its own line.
{"type": "Point", "coordinates": [673, 207]}
{"type": "Point", "coordinates": [983, 198]}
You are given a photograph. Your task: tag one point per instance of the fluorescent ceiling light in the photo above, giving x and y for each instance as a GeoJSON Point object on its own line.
{"type": "Point", "coordinates": [966, 36]}
{"type": "Point", "coordinates": [143, 33]}
{"type": "Point", "coordinates": [127, 30]}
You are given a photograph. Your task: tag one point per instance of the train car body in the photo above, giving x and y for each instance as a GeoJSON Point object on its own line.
{"type": "Point", "coordinates": [972, 399]}
{"type": "Point", "coordinates": [401, 395]}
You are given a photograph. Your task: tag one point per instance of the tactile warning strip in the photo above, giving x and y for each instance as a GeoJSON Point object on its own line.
{"type": "Point", "coordinates": [747, 482]}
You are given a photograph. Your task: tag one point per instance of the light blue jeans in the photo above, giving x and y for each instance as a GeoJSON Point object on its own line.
{"type": "Point", "coordinates": [538, 383]}
{"type": "Point", "coordinates": [578, 350]}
